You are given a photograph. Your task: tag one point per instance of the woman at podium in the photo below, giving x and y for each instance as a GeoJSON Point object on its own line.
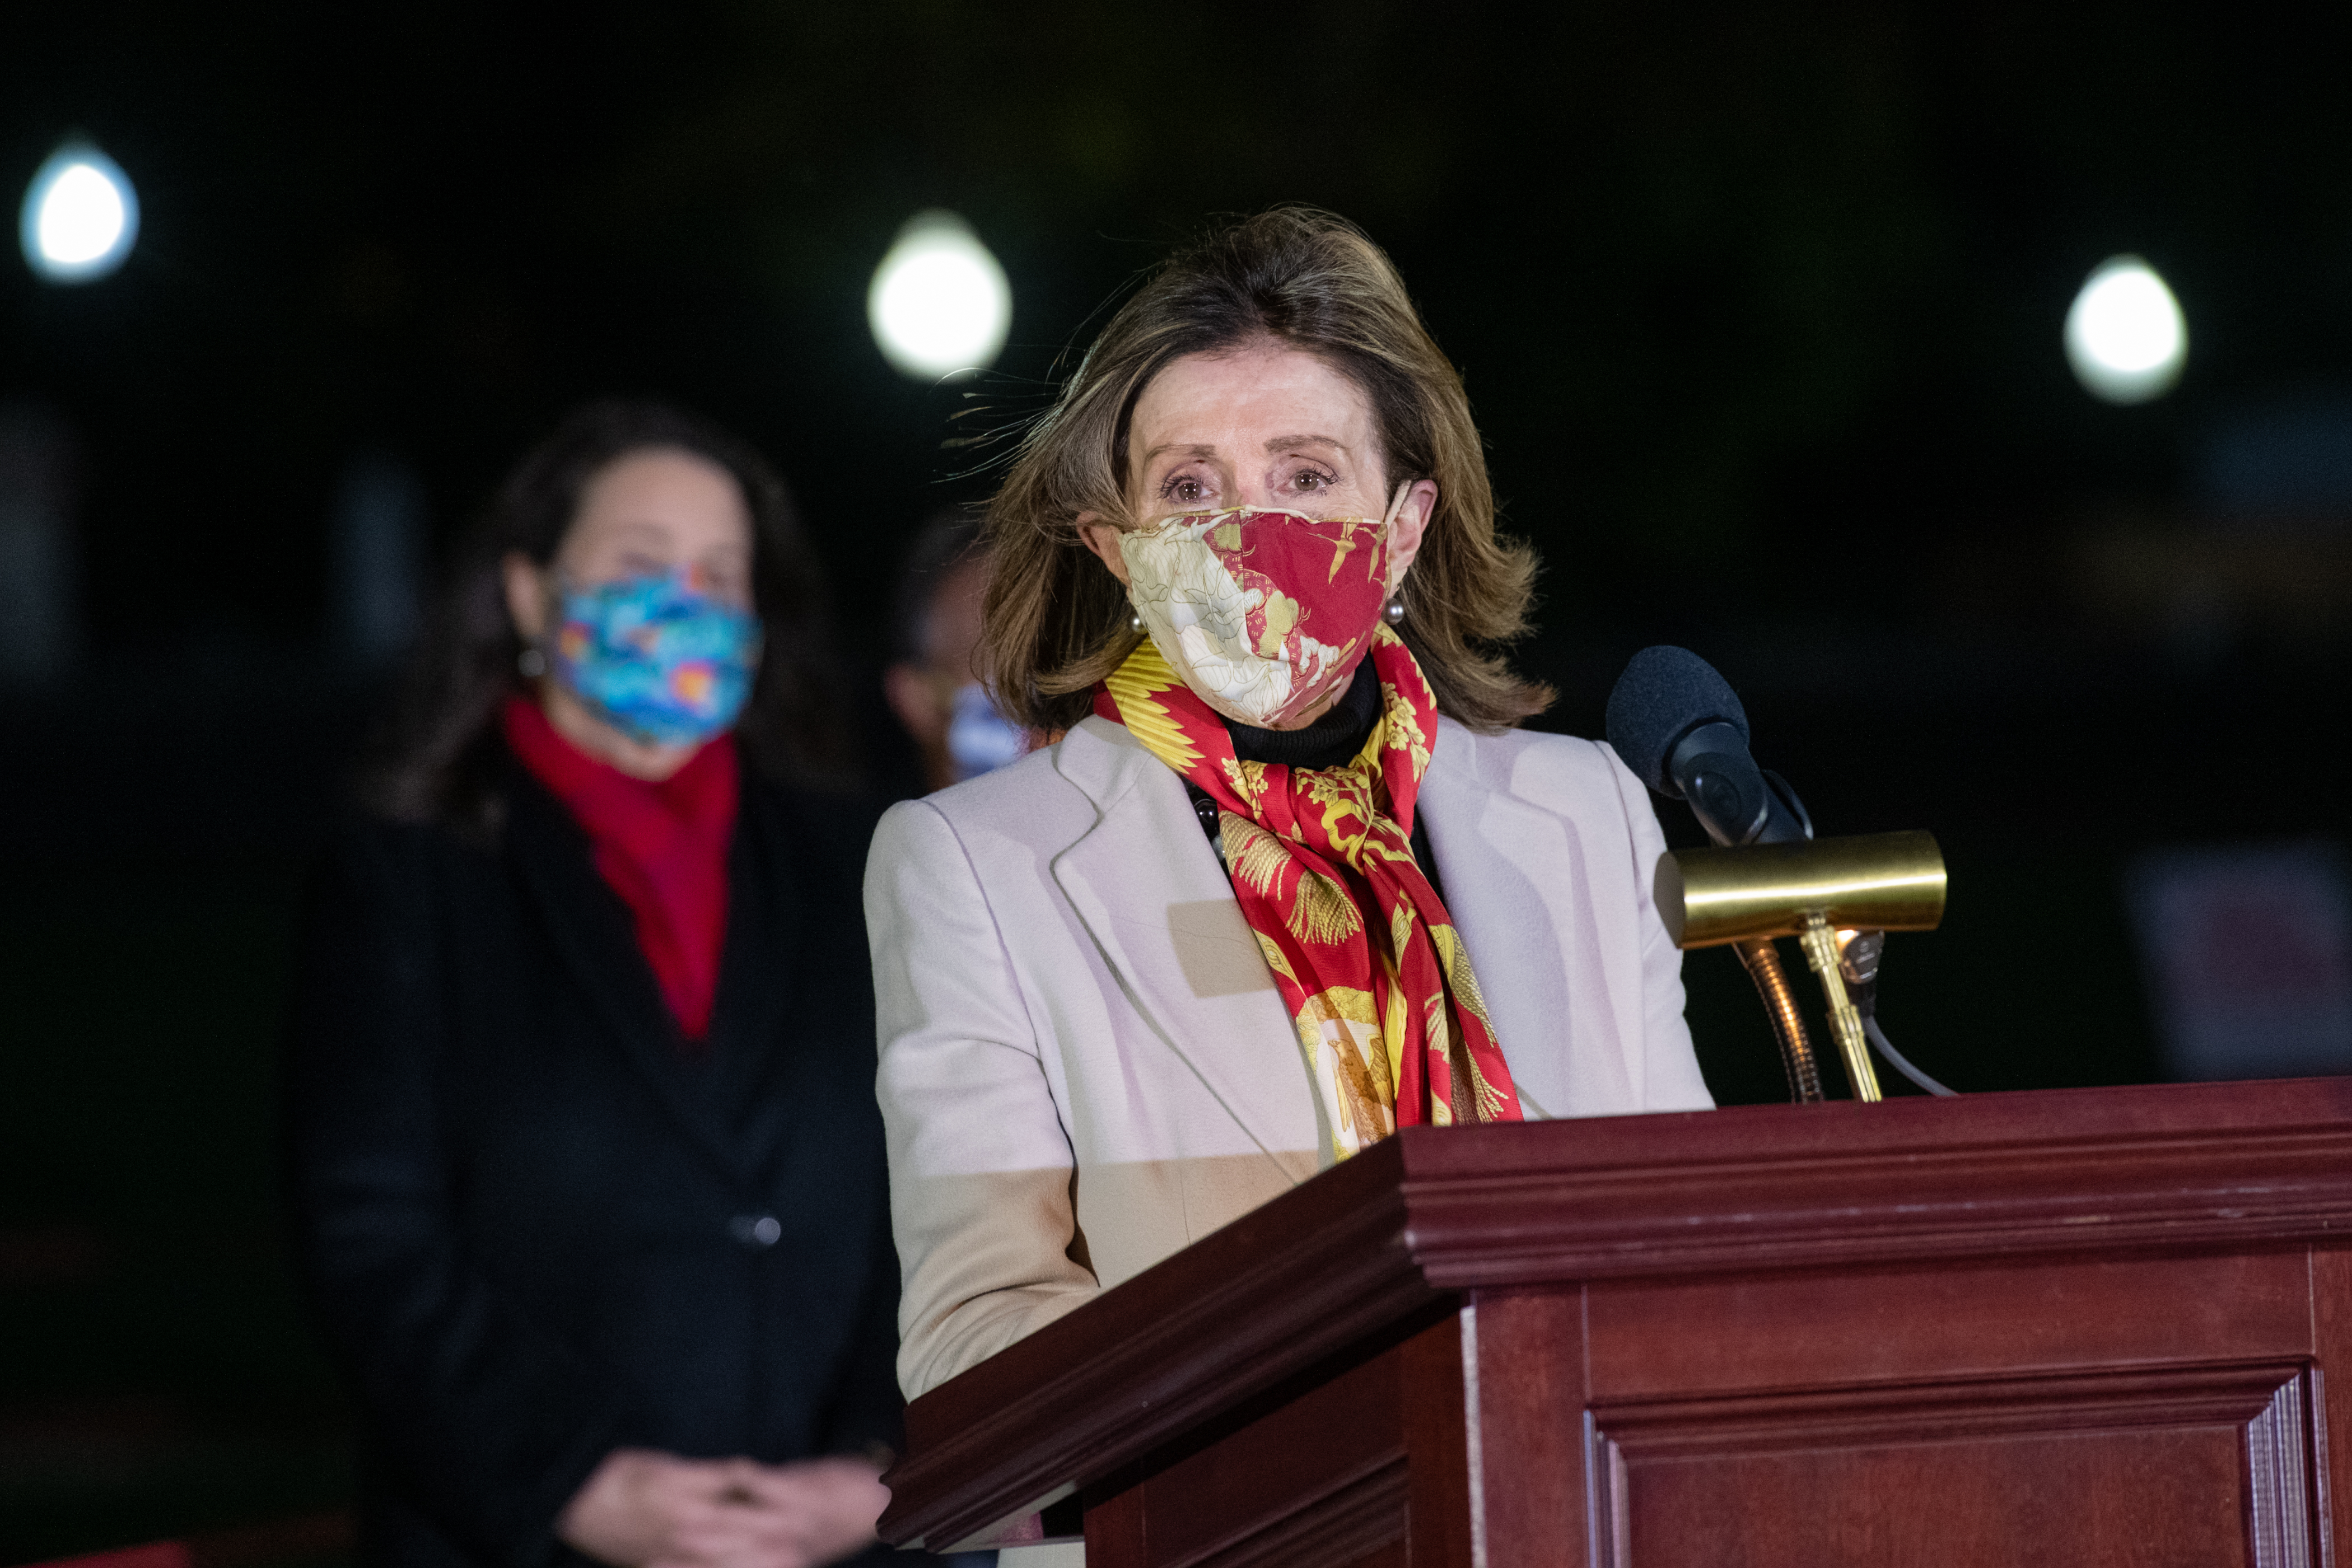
{"type": "Point", "coordinates": [1290, 878]}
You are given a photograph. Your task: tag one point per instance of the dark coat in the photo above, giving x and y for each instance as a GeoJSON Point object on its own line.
{"type": "Point", "coordinates": [538, 1227]}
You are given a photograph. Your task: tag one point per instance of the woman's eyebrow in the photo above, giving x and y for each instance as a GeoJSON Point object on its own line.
{"type": "Point", "coordinates": [1195, 449]}
{"type": "Point", "coordinates": [1280, 442]}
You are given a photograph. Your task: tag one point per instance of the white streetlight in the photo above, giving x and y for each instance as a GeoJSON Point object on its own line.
{"type": "Point", "coordinates": [80, 216]}
{"type": "Point", "coordinates": [939, 303]}
{"type": "Point", "coordinates": [2124, 335]}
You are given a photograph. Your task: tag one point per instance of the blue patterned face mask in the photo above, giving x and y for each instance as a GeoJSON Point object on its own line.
{"type": "Point", "coordinates": [666, 664]}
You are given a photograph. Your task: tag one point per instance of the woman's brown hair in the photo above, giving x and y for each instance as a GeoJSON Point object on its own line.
{"type": "Point", "coordinates": [1056, 621]}
{"type": "Point", "coordinates": [435, 757]}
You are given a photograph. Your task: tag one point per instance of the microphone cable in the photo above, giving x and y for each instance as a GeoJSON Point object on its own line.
{"type": "Point", "coordinates": [1858, 961]}
{"type": "Point", "coordinates": [1898, 1061]}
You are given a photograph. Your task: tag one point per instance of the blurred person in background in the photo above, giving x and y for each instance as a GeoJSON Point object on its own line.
{"type": "Point", "coordinates": [934, 683]}
{"type": "Point", "coordinates": [586, 1160]}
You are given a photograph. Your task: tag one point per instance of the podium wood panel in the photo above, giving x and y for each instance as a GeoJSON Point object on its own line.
{"type": "Point", "coordinates": [2079, 1327]}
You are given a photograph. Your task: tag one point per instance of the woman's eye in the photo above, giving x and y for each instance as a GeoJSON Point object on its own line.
{"type": "Point", "coordinates": [1309, 480]}
{"type": "Point", "coordinates": [1184, 488]}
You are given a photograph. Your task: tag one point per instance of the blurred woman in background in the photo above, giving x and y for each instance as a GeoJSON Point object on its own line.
{"type": "Point", "coordinates": [587, 1163]}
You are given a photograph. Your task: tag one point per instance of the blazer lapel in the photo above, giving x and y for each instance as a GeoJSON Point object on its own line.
{"type": "Point", "coordinates": [1144, 870]}
{"type": "Point", "coordinates": [590, 930]}
{"type": "Point", "coordinates": [1520, 884]}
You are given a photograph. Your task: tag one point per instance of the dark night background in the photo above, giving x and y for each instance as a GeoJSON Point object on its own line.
{"type": "Point", "coordinates": [1760, 313]}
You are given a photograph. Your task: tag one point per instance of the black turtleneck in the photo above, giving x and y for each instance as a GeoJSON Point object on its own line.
{"type": "Point", "coordinates": [1332, 741]}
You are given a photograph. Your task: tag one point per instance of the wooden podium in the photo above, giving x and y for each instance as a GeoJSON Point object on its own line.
{"type": "Point", "coordinates": [2079, 1327]}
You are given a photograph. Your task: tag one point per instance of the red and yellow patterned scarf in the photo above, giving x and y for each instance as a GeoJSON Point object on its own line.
{"type": "Point", "coordinates": [1387, 1008]}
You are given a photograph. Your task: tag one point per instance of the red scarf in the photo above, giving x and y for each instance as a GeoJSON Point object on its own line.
{"type": "Point", "coordinates": [1377, 982]}
{"type": "Point", "coordinates": [661, 845]}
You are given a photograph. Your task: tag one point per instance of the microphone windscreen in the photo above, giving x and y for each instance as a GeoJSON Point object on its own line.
{"type": "Point", "coordinates": [1664, 693]}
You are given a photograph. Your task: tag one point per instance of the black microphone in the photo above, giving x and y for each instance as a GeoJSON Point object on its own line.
{"type": "Point", "coordinates": [1680, 726]}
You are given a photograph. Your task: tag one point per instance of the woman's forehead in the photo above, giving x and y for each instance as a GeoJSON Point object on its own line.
{"type": "Point", "coordinates": [662, 495]}
{"type": "Point", "coordinates": [1266, 396]}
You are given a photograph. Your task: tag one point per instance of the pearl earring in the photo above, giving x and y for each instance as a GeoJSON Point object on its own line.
{"type": "Point", "coordinates": [1394, 612]}
{"type": "Point", "coordinates": [1135, 620]}
{"type": "Point", "coordinates": [531, 663]}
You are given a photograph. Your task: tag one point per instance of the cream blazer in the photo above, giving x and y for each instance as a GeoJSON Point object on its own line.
{"type": "Point", "coordinates": [1086, 1065]}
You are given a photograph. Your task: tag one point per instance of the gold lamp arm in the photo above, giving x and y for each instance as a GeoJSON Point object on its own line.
{"type": "Point", "coordinates": [1822, 952]}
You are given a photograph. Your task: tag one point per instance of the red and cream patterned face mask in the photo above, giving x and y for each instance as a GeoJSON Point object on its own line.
{"type": "Point", "coordinates": [1264, 613]}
